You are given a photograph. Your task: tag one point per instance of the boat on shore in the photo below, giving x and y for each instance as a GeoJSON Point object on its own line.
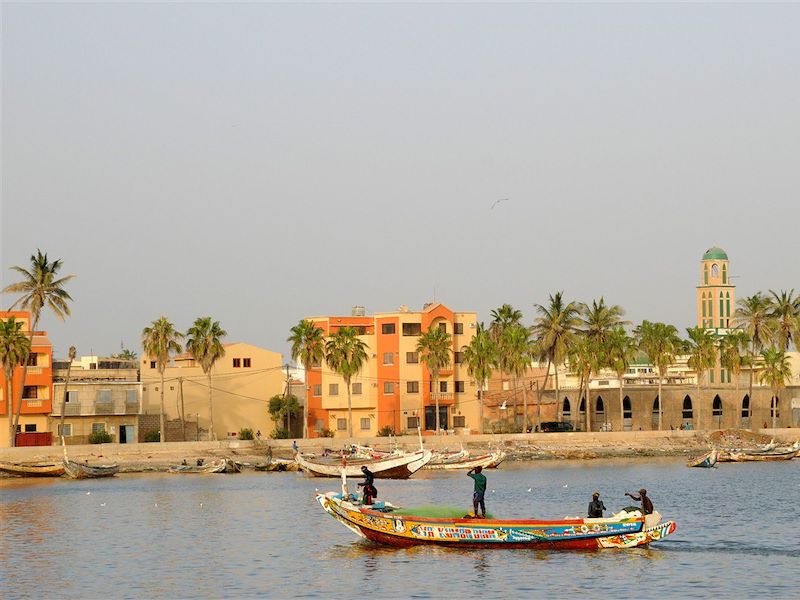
{"type": "Point", "coordinates": [76, 470]}
{"type": "Point", "coordinates": [486, 461]}
{"type": "Point", "coordinates": [707, 460]}
{"type": "Point", "coordinates": [391, 467]}
{"type": "Point", "coordinates": [33, 470]}
{"type": "Point", "coordinates": [222, 465]}
{"type": "Point", "coordinates": [775, 455]}
{"type": "Point", "coordinates": [278, 464]}
{"type": "Point", "coordinates": [442, 457]}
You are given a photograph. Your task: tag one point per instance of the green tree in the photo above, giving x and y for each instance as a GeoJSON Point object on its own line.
{"type": "Point", "coordinates": [159, 340]}
{"type": "Point", "coordinates": [660, 342]}
{"type": "Point", "coordinates": [703, 354]}
{"type": "Point", "coordinates": [585, 357]}
{"type": "Point", "coordinates": [346, 354]}
{"type": "Point", "coordinates": [480, 358]}
{"type": "Point", "coordinates": [620, 350]}
{"type": "Point", "coordinates": [515, 358]}
{"type": "Point", "coordinates": [434, 348]}
{"type": "Point", "coordinates": [503, 317]}
{"type": "Point", "coordinates": [784, 312]}
{"type": "Point", "coordinates": [204, 343]}
{"type": "Point", "coordinates": [14, 350]}
{"type": "Point", "coordinates": [308, 348]}
{"type": "Point", "coordinates": [283, 407]}
{"type": "Point", "coordinates": [40, 288]}
{"type": "Point", "coordinates": [125, 354]}
{"type": "Point", "coordinates": [777, 373]}
{"type": "Point", "coordinates": [599, 319]}
{"type": "Point", "coordinates": [733, 352]}
{"type": "Point", "coordinates": [753, 316]}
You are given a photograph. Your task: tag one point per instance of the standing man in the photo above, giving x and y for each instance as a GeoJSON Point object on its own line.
{"type": "Point", "coordinates": [647, 504]}
{"type": "Point", "coordinates": [596, 507]}
{"type": "Point", "coordinates": [480, 490]}
{"type": "Point", "coordinates": [369, 488]}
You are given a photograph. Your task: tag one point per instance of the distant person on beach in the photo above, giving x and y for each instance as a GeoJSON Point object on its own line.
{"type": "Point", "coordinates": [479, 492]}
{"type": "Point", "coordinates": [369, 489]}
{"type": "Point", "coordinates": [596, 506]}
{"type": "Point", "coordinates": [269, 454]}
{"type": "Point", "coordinates": [647, 504]}
{"type": "Point", "coordinates": [294, 447]}
{"type": "Point", "coordinates": [258, 434]}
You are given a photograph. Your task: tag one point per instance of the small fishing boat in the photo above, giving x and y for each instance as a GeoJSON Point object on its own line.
{"type": "Point", "coordinates": [390, 467]}
{"type": "Point", "coordinates": [763, 456]}
{"type": "Point", "coordinates": [444, 457]}
{"type": "Point", "coordinates": [707, 460]}
{"type": "Point", "coordinates": [278, 464]}
{"type": "Point", "coordinates": [222, 465]}
{"type": "Point", "coordinates": [486, 461]}
{"type": "Point", "coordinates": [33, 470]}
{"type": "Point", "coordinates": [84, 470]}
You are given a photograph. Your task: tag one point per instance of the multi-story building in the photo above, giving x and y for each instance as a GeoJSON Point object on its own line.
{"type": "Point", "coordinates": [38, 391]}
{"type": "Point", "coordinates": [394, 389]}
{"type": "Point", "coordinates": [715, 302]}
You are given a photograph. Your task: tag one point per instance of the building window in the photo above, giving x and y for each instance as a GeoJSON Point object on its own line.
{"type": "Point", "coordinates": [443, 387]}
{"type": "Point", "coordinates": [356, 389]}
{"type": "Point", "coordinates": [388, 387]}
{"type": "Point", "coordinates": [412, 328]}
{"type": "Point", "coordinates": [412, 358]}
{"type": "Point", "coordinates": [237, 362]}
{"type": "Point", "coordinates": [66, 431]}
{"type": "Point", "coordinates": [459, 421]}
{"type": "Point", "coordinates": [388, 358]}
{"type": "Point", "coordinates": [317, 389]}
{"type": "Point", "coordinates": [703, 304]}
{"type": "Point", "coordinates": [98, 427]}
{"type": "Point", "coordinates": [360, 330]}
{"type": "Point", "coordinates": [341, 424]}
{"type": "Point", "coordinates": [104, 396]}
{"type": "Point", "coordinates": [459, 386]}
{"type": "Point", "coordinates": [458, 328]}
{"type": "Point", "coordinates": [458, 357]}
{"type": "Point", "coordinates": [387, 328]}
{"type": "Point", "coordinates": [711, 375]}
{"type": "Point", "coordinates": [246, 363]}
{"type": "Point", "coordinates": [413, 422]}
{"type": "Point", "coordinates": [30, 392]}
{"type": "Point", "coordinates": [72, 396]}
{"type": "Point", "coordinates": [152, 364]}
{"type": "Point", "coordinates": [364, 423]}
{"type": "Point", "coordinates": [333, 389]}
{"type": "Point", "coordinates": [443, 326]}
{"type": "Point", "coordinates": [506, 385]}
{"type": "Point", "coordinates": [705, 274]}
{"type": "Point", "coordinates": [412, 387]}
{"type": "Point", "coordinates": [30, 427]}
{"type": "Point", "coordinates": [724, 274]}
{"type": "Point", "coordinates": [716, 408]}
{"type": "Point", "coordinates": [33, 359]}
{"type": "Point", "coordinates": [131, 397]}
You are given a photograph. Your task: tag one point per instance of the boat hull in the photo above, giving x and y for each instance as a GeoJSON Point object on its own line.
{"type": "Point", "coordinates": [393, 467]}
{"type": "Point", "coordinates": [765, 456]}
{"type": "Point", "coordinates": [708, 460]}
{"type": "Point", "coordinates": [487, 461]}
{"type": "Point", "coordinates": [75, 470]}
{"type": "Point", "coordinates": [47, 470]}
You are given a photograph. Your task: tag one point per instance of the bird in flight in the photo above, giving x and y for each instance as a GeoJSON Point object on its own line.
{"type": "Point", "coordinates": [496, 202]}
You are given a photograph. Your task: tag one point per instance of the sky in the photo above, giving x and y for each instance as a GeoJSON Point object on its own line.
{"type": "Point", "coordinates": [260, 163]}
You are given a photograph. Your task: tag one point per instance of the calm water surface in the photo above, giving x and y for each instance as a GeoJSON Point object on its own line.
{"type": "Point", "coordinates": [263, 535]}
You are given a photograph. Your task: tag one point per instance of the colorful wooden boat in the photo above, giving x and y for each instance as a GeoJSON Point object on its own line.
{"type": "Point", "coordinates": [763, 456]}
{"type": "Point", "coordinates": [222, 465]}
{"type": "Point", "coordinates": [486, 461]}
{"type": "Point", "coordinates": [378, 524]}
{"type": "Point", "coordinates": [33, 470]}
{"type": "Point", "coordinates": [390, 467]}
{"type": "Point", "coordinates": [707, 460]}
{"type": "Point", "coordinates": [76, 470]}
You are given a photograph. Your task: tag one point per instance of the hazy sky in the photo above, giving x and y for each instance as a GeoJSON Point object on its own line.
{"type": "Point", "coordinates": [264, 162]}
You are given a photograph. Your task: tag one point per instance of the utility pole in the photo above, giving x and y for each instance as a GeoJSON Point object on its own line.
{"type": "Point", "coordinates": [286, 402]}
{"type": "Point", "coordinates": [183, 410]}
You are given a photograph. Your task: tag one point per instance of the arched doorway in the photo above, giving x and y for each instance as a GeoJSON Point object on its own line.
{"type": "Point", "coordinates": [774, 411]}
{"type": "Point", "coordinates": [654, 420]}
{"type": "Point", "coordinates": [716, 411]}
{"type": "Point", "coordinates": [627, 414]}
{"type": "Point", "coordinates": [566, 414]}
{"type": "Point", "coordinates": [600, 415]}
{"type": "Point", "coordinates": [686, 415]}
{"type": "Point", "coordinates": [746, 413]}
{"type": "Point", "coordinates": [581, 415]}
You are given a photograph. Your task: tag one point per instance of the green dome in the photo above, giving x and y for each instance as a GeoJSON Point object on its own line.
{"type": "Point", "coordinates": [715, 252]}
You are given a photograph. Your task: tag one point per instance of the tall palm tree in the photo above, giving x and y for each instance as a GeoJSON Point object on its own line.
{"type": "Point", "coordinates": [40, 288]}
{"type": "Point", "coordinates": [599, 318]}
{"type": "Point", "coordinates": [702, 356]}
{"type": "Point", "coordinates": [14, 350]}
{"type": "Point", "coordinates": [480, 358]}
{"type": "Point", "coordinates": [620, 352]}
{"type": "Point", "coordinates": [733, 349]}
{"type": "Point", "coordinates": [585, 357]}
{"type": "Point", "coordinates": [71, 355]}
{"type": "Point", "coordinates": [753, 316]}
{"type": "Point", "coordinates": [503, 317]}
{"type": "Point", "coordinates": [308, 348]}
{"type": "Point", "coordinates": [777, 373]}
{"type": "Point", "coordinates": [660, 342]}
{"type": "Point", "coordinates": [554, 331]}
{"type": "Point", "coordinates": [204, 343]}
{"type": "Point", "coordinates": [515, 343]}
{"type": "Point", "coordinates": [159, 340]}
{"type": "Point", "coordinates": [434, 347]}
{"type": "Point", "coordinates": [785, 312]}
{"type": "Point", "coordinates": [346, 354]}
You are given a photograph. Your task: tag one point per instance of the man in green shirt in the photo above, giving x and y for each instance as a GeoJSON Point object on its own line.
{"type": "Point", "coordinates": [480, 490]}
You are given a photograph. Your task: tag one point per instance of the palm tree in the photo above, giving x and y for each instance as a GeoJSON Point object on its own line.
{"type": "Point", "coordinates": [660, 342]}
{"type": "Point", "coordinates": [620, 351]}
{"type": "Point", "coordinates": [785, 312]}
{"type": "Point", "coordinates": [346, 354]}
{"type": "Point", "coordinates": [159, 340]}
{"type": "Point", "coordinates": [777, 372]}
{"type": "Point", "coordinates": [480, 358]}
{"type": "Point", "coordinates": [71, 355]}
{"type": "Point", "coordinates": [204, 343]}
{"type": "Point", "coordinates": [702, 356]}
{"type": "Point", "coordinates": [503, 317]}
{"type": "Point", "coordinates": [753, 317]}
{"type": "Point", "coordinates": [554, 331]}
{"type": "Point", "coordinates": [434, 347]}
{"type": "Point", "coordinates": [733, 348]}
{"type": "Point", "coordinates": [585, 357]}
{"type": "Point", "coordinates": [308, 348]}
{"type": "Point", "coordinates": [40, 287]}
{"type": "Point", "coordinates": [599, 318]}
{"type": "Point", "coordinates": [515, 344]}
{"type": "Point", "coordinates": [14, 350]}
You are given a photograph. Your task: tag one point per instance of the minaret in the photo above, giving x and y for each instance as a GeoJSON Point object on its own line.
{"type": "Point", "coordinates": [715, 300]}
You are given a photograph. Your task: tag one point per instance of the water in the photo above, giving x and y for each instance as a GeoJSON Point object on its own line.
{"type": "Point", "coordinates": [263, 535]}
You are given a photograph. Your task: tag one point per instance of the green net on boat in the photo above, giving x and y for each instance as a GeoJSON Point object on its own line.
{"type": "Point", "coordinates": [438, 512]}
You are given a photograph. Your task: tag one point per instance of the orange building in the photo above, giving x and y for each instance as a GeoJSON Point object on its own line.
{"type": "Point", "coordinates": [37, 397]}
{"type": "Point", "coordinates": [394, 387]}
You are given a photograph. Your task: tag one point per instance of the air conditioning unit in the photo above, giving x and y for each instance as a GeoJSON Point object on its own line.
{"type": "Point", "coordinates": [472, 325]}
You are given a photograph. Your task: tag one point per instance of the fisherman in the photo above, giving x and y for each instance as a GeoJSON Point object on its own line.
{"type": "Point", "coordinates": [647, 504]}
{"type": "Point", "coordinates": [596, 507]}
{"type": "Point", "coordinates": [294, 447]}
{"type": "Point", "coordinates": [369, 489]}
{"type": "Point", "coordinates": [480, 490]}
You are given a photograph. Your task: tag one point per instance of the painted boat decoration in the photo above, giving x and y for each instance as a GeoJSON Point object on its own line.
{"type": "Point", "coordinates": [487, 461]}
{"type": "Point", "coordinates": [390, 467]}
{"type": "Point", "coordinates": [763, 456]}
{"type": "Point", "coordinates": [76, 470]}
{"type": "Point", "coordinates": [707, 460]}
{"type": "Point", "coordinates": [378, 524]}
{"type": "Point", "coordinates": [33, 470]}
{"type": "Point", "coordinates": [222, 465]}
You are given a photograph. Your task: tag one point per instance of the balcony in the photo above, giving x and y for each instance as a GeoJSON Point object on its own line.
{"type": "Point", "coordinates": [115, 407]}
{"type": "Point", "coordinates": [442, 396]}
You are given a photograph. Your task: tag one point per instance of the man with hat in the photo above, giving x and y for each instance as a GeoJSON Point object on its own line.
{"type": "Point", "coordinates": [647, 504]}
{"type": "Point", "coordinates": [596, 507]}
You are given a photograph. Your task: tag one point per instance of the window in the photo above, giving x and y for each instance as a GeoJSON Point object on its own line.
{"type": "Point", "coordinates": [458, 357]}
{"type": "Point", "coordinates": [412, 328]}
{"type": "Point", "coordinates": [72, 396]}
{"type": "Point", "coordinates": [715, 270]}
{"type": "Point", "coordinates": [333, 389]}
{"type": "Point", "coordinates": [506, 385]}
{"type": "Point", "coordinates": [627, 411]}
{"type": "Point", "coordinates": [356, 389]}
{"type": "Point", "coordinates": [705, 274]}
{"type": "Point", "coordinates": [246, 363]}
{"type": "Point", "coordinates": [66, 431]}
{"type": "Point", "coordinates": [443, 387]}
{"type": "Point", "coordinates": [360, 330]}
{"type": "Point", "coordinates": [364, 423]}
{"type": "Point", "coordinates": [30, 427]}
{"type": "Point", "coordinates": [131, 397]}
{"type": "Point", "coordinates": [443, 326]}
{"type": "Point", "coordinates": [30, 391]}
{"type": "Point", "coordinates": [387, 328]}
{"type": "Point", "coordinates": [388, 387]}
{"type": "Point", "coordinates": [104, 396]}
{"type": "Point", "coordinates": [746, 406]}
{"type": "Point", "coordinates": [458, 328]}
{"type": "Point", "coordinates": [317, 389]}
{"type": "Point", "coordinates": [413, 422]}
{"type": "Point", "coordinates": [774, 408]}
{"type": "Point", "coordinates": [459, 386]}
{"type": "Point", "coordinates": [459, 421]}
{"type": "Point", "coordinates": [98, 427]}
{"type": "Point", "coordinates": [717, 406]}
{"type": "Point", "coordinates": [412, 358]}
{"type": "Point", "coordinates": [152, 364]}
{"type": "Point", "coordinates": [341, 424]}
{"type": "Point", "coordinates": [412, 387]}
{"type": "Point", "coordinates": [388, 358]}
{"type": "Point", "coordinates": [687, 407]}
{"type": "Point", "coordinates": [237, 362]}
{"type": "Point", "coordinates": [33, 359]}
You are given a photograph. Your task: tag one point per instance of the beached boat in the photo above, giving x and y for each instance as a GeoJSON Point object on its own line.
{"type": "Point", "coordinates": [33, 470]}
{"type": "Point", "coordinates": [444, 457]}
{"type": "Point", "coordinates": [278, 464]}
{"type": "Point", "coordinates": [486, 461]}
{"type": "Point", "coordinates": [222, 465]}
{"type": "Point", "coordinates": [390, 467]}
{"type": "Point", "coordinates": [76, 470]}
{"type": "Point", "coordinates": [707, 460]}
{"type": "Point", "coordinates": [384, 524]}
{"type": "Point", "coordinates": [763, 456]}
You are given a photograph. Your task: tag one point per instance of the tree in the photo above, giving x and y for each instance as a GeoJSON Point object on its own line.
{"type": "Point", "coordinates": [14, 350]}
{"type": "Point", "coordinates": [434, 347]}
{"type": "Point", "coordinates": [752, 316]}
{"type": "Point", "coordinates": [554, 331]}
{"type": "Point", "coordinates": [283, 407]}
{"type": "Point", "coordinates": [515, 358]}
{"type": "Point", "coordinates": [204, 343]}
{"type": "Point", "coordinates": [702, 356]}
{"type": "Point", "coordinates": [620, 351]}
{"type": "Point", "coordinates": [599, 318]}
{"type": "Point", "coordinates": [71, 355]}
{"type": "Point", "coordinates": [125, 354]}
{"type": "Point", "coordinates": [784, 312]}
{"type": "Point", "coordinates": [660, 342]}
{"type": "Point", "coordinates": [308, 348]}
{"type": "Point", "coordinates": [480, 358]}
{"type": "Point", "coordinates": [159, 340]}
{"type": "Point", "coordinates": [40, 288]}
{"type": "Point", "coordinates": [585, 357]}
{"type": "Point", "coordinates": [777, 373]}
{"type": "Point", "coordinates": [346, 354]}
{"type": "Point", "coordinates": [503, 317]}
{"type": "Point", "coordinates": [733, 349]}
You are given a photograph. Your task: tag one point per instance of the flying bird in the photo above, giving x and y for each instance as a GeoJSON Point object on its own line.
{"type": "Point", "coordinates": [496, 202]}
